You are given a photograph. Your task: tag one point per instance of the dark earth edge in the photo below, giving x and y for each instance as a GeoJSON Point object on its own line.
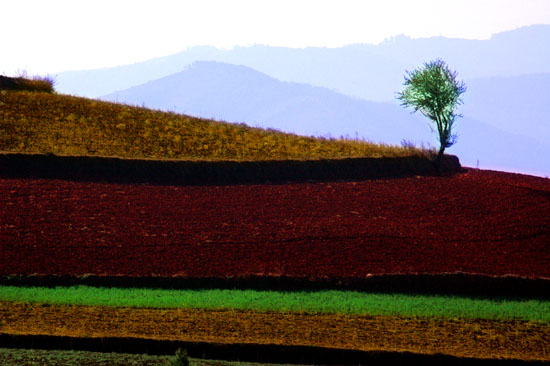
{"type": "Point", "coordinates": [172, 172]}
{"type": "Point", "coordinates": [247, 352]}
{"type": "Point", "coordinates": [445, 284]}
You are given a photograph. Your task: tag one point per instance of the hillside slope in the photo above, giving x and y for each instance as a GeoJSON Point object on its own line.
{"type": "Point", "coordinates": [498, 135]}
{"type": "Point", "coordinates": [241, 94]}
{"type": "Point", "coordinates": [65, 125]}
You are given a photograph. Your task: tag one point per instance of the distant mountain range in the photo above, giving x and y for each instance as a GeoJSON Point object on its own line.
{"type": "Point", "coordinates": [517, 104]}
{"type": "Point", "coordinates": [240, 94]}
{"type": "Point", "coordinates": [372, 72]}
{"type": "Point", "coordinates": [350, 91]}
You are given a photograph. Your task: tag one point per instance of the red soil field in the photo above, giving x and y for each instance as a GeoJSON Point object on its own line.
{"type": "Point", "coordinates": [478, 222]}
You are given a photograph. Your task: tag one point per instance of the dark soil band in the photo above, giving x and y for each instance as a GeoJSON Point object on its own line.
{"type": "Point", "coordinates": [115, 170]}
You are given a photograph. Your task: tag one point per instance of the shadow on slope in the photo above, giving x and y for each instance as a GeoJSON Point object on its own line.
{"type": "Point", "coordinates": [118, 170]}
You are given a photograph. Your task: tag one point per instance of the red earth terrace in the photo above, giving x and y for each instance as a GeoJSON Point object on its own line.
{"type": "Point", "coordinates": [478, 222]}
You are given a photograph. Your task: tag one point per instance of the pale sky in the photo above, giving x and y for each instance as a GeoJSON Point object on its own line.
{"type": "Point", "coordinates": [45, 37]}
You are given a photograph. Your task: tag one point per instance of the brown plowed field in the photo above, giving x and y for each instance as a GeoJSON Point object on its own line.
{"type": "Point", "coordinates": [462, 338]}
{"type": "Point", "coordinates": [480, 222]}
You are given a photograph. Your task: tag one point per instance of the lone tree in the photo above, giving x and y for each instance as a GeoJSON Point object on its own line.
{"type": "Point", "coordinates": [434, 91]}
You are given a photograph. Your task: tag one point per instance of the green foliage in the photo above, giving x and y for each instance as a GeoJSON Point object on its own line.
{"type": "Point", "coordinates": [35, 357]}
{"type": "Point", "coordinates": [181, 358]}
{"type": "Point", "coordinates": [325, 301]}
{"type": "Point", "coordinates": [435, 92]}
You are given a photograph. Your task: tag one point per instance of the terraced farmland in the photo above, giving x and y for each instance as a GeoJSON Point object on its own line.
{"type": "Point", "coordinates": [475, 338]}
{"type": "Point", "coordinates": [480, 222]}
{"type": "Point", "coordinates": [451, 268]}
{"type": "Point", "coordinates": [340, 230]}
{"type": "Point", "coordinates": [322, 301]}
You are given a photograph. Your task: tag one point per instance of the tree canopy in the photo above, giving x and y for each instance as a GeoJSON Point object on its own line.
{"type": "Point", "coordinates": [435, 91]}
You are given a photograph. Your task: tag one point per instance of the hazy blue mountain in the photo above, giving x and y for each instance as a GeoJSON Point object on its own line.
{"type": "Point", "coordinates": [518, 52]}
{"type": "Point", "coordinates": [97, 82]}
{"type": "Point", "coordinates": [352, 70]}
{"type": "Point", "coordinates": [493, 148]}
{"type": "Point", "coordinates": [519, 104]}
{"type": "Point", "coordinates": [372, 72]}
{"type": "Point", "coordinates": [240, 94]}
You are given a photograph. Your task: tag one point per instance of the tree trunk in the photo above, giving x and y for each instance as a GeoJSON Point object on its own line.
{"type": "Point", "coordinates": [437, 162]}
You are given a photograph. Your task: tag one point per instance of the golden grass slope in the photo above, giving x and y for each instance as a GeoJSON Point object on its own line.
{"type": "Point", "coordinates": [32, 122]}
{"type": "Point", "coordinates": [475, 338]}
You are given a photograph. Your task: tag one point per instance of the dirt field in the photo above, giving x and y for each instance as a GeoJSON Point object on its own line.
{"type": "Point", "coordinates": [456, 337]}
{"type": "Point", "coordinates": [479, 222]}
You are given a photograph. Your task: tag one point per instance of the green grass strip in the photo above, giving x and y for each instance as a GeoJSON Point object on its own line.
{"type": "Point", "coordinates": [329, 301]}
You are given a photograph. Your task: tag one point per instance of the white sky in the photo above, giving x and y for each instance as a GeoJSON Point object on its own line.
{"type": "Point", "coordinates": [43, 37]}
